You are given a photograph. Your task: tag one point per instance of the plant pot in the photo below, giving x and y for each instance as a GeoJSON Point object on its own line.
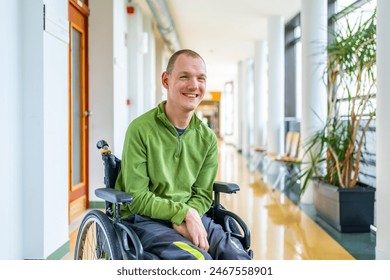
{"type": "Point", "coordinates": [347, 210]}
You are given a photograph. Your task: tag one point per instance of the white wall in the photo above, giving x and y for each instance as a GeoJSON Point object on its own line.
{"type": "Point", "coordinates": [45, 130]}
{"type": "Point", "coordinates": [35, 122]}
{"type": "Point", "coordinates": [383, 134]}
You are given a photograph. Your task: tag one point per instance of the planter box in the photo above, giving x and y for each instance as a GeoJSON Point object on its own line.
{"type": "Point", "coordinates": [347, 210]}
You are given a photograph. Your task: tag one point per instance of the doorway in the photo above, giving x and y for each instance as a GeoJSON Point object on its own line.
{"type": "Point", "coordinates": [78, 108]}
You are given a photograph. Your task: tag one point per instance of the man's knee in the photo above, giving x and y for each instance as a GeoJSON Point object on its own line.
{"type": "Point", "coordinates": [233, 250]}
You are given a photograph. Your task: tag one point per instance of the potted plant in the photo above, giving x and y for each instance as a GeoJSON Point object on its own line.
{"type": "Point", "coordinates": [335, 151]}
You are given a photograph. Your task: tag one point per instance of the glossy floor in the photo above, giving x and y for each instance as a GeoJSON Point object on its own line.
{"type": "Point", "coordinates": [280, 230]}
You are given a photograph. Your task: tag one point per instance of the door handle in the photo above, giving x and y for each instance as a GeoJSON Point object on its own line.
{"type": "Point", "coordinates": [88, 113]}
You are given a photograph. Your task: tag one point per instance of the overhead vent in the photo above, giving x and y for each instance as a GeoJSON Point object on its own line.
{"type": "Point", "coordinates": [165, 23]}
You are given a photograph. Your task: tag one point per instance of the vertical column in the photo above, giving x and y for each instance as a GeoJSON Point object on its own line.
{"type": "Point", "coordinates": [383, 132]}
{"type": "Point", "coordinates": [135, 63]}
{"type": "Point", "coordinates": [246, 96]}
{"type": "Point", "coordinates": [11, 241]}
{"type": "Point", "coordinates": [149, 51]}
{"type": "Point", "coordinates": [105, 60]}
{"type": "Point", "coordinates": [314, 40]}
{"type": "Point", "coordinates": [260, 93]}
{"type": "Point", "coordinates": [33, 129]}
{"type": "Point", "coordinates": [55, 122]}
{"type": "Point", "coordinates": [117, 26]}
{"type": "Point", "coordinates": [275, 122]}
{"type": "Point", "coordinates": [238, 95]}
{"type": "Point", "coordinates": [161, 61]}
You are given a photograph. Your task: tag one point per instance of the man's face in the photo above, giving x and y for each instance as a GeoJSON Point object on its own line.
{"type": "Point", "coordinates": [186, 84]}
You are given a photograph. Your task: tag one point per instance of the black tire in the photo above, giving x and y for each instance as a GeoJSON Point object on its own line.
{"type": "Point", "coordinates": [96, 239]}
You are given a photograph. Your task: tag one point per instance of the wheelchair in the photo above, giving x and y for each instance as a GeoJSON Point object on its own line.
{"type": "Point", "coordinates": [104, 235]}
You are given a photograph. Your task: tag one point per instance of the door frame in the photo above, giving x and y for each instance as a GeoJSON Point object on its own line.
{"type": "Point", "coordinates": [80, 190]}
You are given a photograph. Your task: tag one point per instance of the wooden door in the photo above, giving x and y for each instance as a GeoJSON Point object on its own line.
{"type": "Point", "coordinates": [78, 108]}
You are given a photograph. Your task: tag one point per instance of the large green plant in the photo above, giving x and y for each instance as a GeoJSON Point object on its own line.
{"type": "Point", "coordinates": [335, 151]}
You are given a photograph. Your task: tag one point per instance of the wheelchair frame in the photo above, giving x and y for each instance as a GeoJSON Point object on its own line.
{"type": "Point", "coordinates": [105, 235]}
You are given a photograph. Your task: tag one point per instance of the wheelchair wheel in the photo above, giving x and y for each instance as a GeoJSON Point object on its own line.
{"type": "Point", "coordinates": [97, 239]}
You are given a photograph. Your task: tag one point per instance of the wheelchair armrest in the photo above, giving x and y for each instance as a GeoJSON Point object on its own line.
{"type": "Point", "coordinates": [113, 196]}
{"type": "Point", "coordinates": [224, 187]}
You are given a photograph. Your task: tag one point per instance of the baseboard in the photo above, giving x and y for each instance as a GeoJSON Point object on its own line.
{"type": "Point", "coordinates": [97, 205]}
{"type": "Point", "coordinates": [60, 252]}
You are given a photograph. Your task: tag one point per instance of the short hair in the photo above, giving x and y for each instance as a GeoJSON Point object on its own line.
{"type": "Point", "coordinates": [188, 52]}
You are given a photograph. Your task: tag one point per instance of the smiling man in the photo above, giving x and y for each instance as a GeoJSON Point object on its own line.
{"type": "Point", "coordinates": [169, 164]}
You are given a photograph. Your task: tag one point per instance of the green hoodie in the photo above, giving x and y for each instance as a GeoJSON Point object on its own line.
{"type": "Point", "coordinates": [165, 173]}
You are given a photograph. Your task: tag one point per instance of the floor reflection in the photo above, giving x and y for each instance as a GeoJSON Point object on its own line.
{"type": "Point", "coordinates": [280, 230]}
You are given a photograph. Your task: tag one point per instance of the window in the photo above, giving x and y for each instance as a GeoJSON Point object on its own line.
{"type": "Point", "coordinates": [293, 68]}
{"type": "Point", "coordinates": [346, 16]}
{"type": "Point", "coordinates": [341, 14]}
{"type": "Point", "coordinates": [293, 74]}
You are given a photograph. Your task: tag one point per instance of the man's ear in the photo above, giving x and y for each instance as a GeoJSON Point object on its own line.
{"type": "Point", "coordinates": [164, 79]}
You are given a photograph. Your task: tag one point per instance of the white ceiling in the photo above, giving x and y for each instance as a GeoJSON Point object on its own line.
{"type": "Point", "coordinates": [224, 31]}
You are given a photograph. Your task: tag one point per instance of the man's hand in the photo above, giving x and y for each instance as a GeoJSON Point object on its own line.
{"type": "Point", "coordinates": [192, 229]}
{"type": "Point", "coordinates": [182, 229]}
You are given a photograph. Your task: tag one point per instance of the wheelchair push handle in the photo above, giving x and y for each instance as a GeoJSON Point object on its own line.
{"type": "Point", "coordinates": [102, 144]}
